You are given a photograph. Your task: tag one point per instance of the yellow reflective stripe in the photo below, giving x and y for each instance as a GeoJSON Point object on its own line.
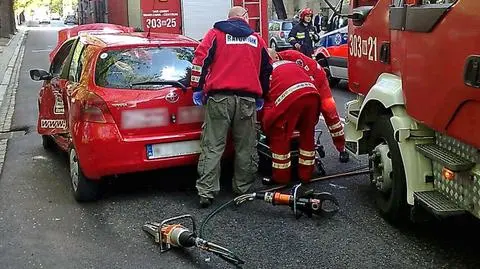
{"type": "Point", "coordinates": [197, 68]}
{"type": "Point", "coordinates": [335, 126]}
{"type": "Point", "coordinates": [281, 157]}
{"type": "Point", "coordinates": [339, 133]}
{"type": "Point", "coordinates": [300, 35]}
{"type": "Point", "coordinates": [281, 165]}
{"type": "Point", "coordinates": [195, 78]}
{"type": "Point", "coordinates": [306, 162]}
{"type": "Point", "coordinates": [279, 63]}
{"type": "Point", "coordinates": [307, 153]}
{"type": "Point", "coordinates": [291, 39]}
{"type": "Point", "coordinates": [292, 89]}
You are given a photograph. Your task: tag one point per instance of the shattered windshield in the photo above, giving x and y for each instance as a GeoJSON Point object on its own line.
{"type": "Point", "coordinates": [125, 68]}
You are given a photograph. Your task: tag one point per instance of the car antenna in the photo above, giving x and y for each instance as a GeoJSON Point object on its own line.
{"type": "Point", "coordinates": [149, 26]}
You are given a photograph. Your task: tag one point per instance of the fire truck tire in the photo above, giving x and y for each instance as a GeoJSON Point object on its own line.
{"type": "Point", "coordinates": [83, 188]}
{"type": "Point", "coordinates": [48, 143]}
{"type": "Point", "coordinates": [391, 201]}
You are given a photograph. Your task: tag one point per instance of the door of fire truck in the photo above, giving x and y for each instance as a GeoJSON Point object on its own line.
{"type": "Point", "coordinates": [193, 18]}
{"type": "Point", "coordinates": [369, 43]}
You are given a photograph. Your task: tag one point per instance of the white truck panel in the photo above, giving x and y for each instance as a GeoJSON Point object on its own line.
{"type": "Point", "coordinates": [200, 15]}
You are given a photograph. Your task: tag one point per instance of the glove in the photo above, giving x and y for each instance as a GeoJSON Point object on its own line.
{"type": "Point", "coordinates": [259, 104]}
{"type": "Point", "coordinates": [344, 157]}
{"type": "Point", "coordinates": [198, 98]}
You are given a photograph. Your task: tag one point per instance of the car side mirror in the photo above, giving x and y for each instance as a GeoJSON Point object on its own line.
{"type": "Point", "coordinates": [40, 74]}
{"type": "Point", "coordinates": [359, 15]}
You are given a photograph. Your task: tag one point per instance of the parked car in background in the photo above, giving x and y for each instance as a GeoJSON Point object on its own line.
{"type": "Point", "coordinates": [45, 19]}
{"type": "Point", "coordinates": [278, 31]}
{"type": "Point", "coordinates": [70, 19]}
{"type": "Point", "coordinates": [118, 103]}
{"type": "Point", "coordinates": [55, 17]}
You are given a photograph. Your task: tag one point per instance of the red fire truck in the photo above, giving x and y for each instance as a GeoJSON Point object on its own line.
{"type": "Point", "coordinates": [415, 67]}
{"type": "Point", "coordinates": [194, 18]}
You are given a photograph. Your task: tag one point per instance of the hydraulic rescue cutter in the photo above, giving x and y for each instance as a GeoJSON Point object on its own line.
{"type": "Point", "coordinates": [300, 200]}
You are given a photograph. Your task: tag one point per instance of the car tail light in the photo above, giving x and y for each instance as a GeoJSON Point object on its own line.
{"type": "Point", "coordinates": [282, 34]}
{"type": "Point", "coordinates": [95, 109]}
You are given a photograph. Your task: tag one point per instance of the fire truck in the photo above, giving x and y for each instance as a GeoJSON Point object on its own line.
{"type": "Point", "coordinates": [415, 67]}
{"type": "Point", "coordinates": [193, 18]}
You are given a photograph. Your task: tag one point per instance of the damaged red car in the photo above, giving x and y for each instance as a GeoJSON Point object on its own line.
{"type": "Point", "coordinates": [117, 102]}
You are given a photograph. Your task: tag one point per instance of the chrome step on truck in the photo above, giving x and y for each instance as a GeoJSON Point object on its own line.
{"type": "Point", "coordinates": [456, 178]}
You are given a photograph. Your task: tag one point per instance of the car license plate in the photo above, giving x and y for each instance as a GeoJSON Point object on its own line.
{"type": "Point", "coordinates": [144, 118]}
{"type": "Point", "coordinates": [173, 149]}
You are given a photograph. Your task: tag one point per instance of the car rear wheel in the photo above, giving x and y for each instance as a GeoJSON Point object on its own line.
{"type": "Point", "coordinates": [48, 143]}
{"type": "Point", "coordinates": [84, 189]}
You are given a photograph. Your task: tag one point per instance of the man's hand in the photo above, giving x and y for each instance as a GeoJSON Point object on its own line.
{"type": "Point", "coordinates": [344, 157]}
{"type": "Point", "coordinates": [297, 46]}
{"type": "Point", "coordinates": [259, 103]}
{"type": "Point", "coordinates": [198, 98]}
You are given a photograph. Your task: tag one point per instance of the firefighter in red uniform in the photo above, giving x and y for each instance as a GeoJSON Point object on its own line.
{"type": "Point", "coordinates": [328, 106]}
{"type": "Point", "coordinates": [293, 103]}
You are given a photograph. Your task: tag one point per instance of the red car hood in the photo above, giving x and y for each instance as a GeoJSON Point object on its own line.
{"type": "Point", "coordinates": [67, 33]}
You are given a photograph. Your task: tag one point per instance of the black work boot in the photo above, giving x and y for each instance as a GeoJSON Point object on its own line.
{"type": "Point", "coordinates": [205, 202]}
{"type": "Point", "coordinates": [344, 157]}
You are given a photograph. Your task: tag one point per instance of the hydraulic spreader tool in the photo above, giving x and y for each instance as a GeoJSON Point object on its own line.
{"type": "Point", "coordinates": [169, 234]}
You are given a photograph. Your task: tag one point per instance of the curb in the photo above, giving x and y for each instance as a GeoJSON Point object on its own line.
{"type": "Point", "coordinates": [9, 71]}
{"type": "Point", "coordinates": [7, 88]}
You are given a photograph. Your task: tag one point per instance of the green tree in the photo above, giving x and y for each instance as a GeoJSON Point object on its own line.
{"type": "Point", "coordinates": [56, 6]}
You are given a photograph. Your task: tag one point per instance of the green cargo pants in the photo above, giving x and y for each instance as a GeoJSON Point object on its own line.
{"type": "Point", "coordinates": [222, 113]}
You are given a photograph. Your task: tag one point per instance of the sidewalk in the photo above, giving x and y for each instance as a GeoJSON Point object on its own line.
{"type": "Point", "coordinates": [8, 57]}
{"type": "Point", "coordinates": [10, 60]}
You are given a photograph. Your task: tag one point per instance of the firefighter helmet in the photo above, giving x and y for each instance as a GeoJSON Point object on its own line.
{"type": "Point", "coordinates": [306, 12]}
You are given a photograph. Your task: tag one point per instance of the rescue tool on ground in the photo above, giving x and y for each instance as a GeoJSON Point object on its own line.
{"type": "Point", "coordinates": [300, 200]}
{"type": "Point", "coordinates": [169, 234]}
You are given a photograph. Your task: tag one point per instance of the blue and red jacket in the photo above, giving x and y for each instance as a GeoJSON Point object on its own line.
{"type": "Point", "coordinates": [232, 58]}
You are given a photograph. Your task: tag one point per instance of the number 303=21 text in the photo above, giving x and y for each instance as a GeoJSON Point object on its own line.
{"type": "Point", "coordinates": [363, 47]}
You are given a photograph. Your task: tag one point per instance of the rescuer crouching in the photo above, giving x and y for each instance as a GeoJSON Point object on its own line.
{"type": "Point", "coordinates": [328, 107]}
{"type": "Point", "coordinates": [293, 103]}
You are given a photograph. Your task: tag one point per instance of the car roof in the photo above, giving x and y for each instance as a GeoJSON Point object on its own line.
{"type": "Point", "coordinates": [287, 20]}
{"type": "Point", "coordinates": [135, 39]}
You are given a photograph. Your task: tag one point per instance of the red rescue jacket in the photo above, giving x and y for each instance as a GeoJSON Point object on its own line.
{"type": "Point", "coordinates": [328, 106]}
{"type": "Point", "coordinates": [288, 83]}
{"type": "Point", "coordinates": [232, 59]}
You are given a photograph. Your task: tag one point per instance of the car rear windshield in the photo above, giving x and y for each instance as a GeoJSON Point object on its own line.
{"type": "Point", "coordinates": [130, 68]}
{"type": "Point", "coordinates": [286, 26]}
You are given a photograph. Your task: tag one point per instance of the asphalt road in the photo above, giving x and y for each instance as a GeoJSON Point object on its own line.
{"type": "Point", "coordinates": [41, 225]}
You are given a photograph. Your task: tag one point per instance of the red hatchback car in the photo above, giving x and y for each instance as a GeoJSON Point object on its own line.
{"type": "Point", "coordinates": [118, 103]}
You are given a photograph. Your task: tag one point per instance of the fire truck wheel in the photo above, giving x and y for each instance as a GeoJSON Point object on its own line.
{"type": "Point", "coordinates": [48, 143]}
{"type": "Point", "coordinates": [84, 189]}
{"type": "Point", "coordinates": [388, 176]}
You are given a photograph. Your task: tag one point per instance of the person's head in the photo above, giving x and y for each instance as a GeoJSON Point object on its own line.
{"type": "Point", "coordinates": [273, 54]}
{"type": "Point", "coordinates": [238, 12]}
{"type": "Point", "coordinates": [306, 15]}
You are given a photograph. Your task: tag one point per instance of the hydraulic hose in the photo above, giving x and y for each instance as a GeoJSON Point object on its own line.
{"type": "Point", "coordinates": [352, 172]}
